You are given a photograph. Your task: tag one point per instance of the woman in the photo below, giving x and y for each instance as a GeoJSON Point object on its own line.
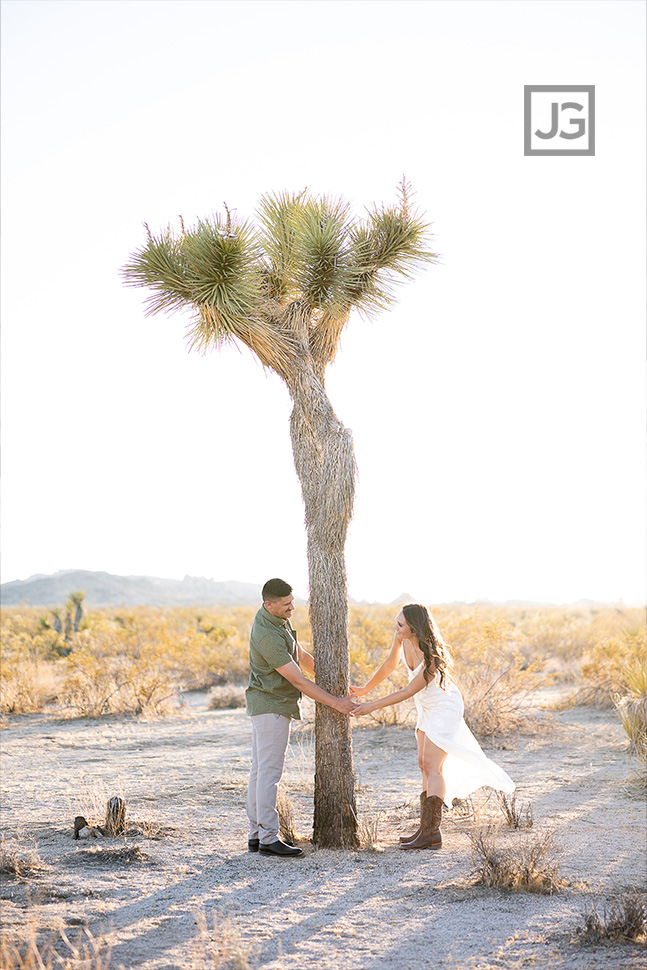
{"type": "Point", "coordinates": [449, 756]}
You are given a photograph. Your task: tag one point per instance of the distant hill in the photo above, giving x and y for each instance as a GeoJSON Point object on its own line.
{"type": "Point", "coordinates": [104, 589]}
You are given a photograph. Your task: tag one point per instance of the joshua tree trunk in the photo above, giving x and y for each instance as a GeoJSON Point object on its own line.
{"type": "Point", "coordinates": [325, 464]}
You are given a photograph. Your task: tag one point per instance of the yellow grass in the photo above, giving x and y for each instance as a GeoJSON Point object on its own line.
{"type": "Point", "coordinates": [139, 660]}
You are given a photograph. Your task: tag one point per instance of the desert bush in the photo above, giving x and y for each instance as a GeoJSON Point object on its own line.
{"type": "Point", "coordinates": [219, 945]}
{"type": "Point", "coordinates": [615, 666]}
{"type": "Point", "coordinates": [368, 832]}
{"type": "Point", "coordinates": [516, 816]}
{"type": "Point", "coordinates": [621, 922]}
{"type": "Point", "coordinates": [43, 952]}
{"type": "Point", "coordinates": [136, 659]}
{"type": "Point", "coordinates": [286, 817]}
{"type": "Point", "coordinates": [27, 686]}
{"type": "Point", "coordinates": [226, 698]}
{"type": "Point", "coordinates": [29, 676]}
{"type": "Point", "coordinates": [18, 862]}
{"type": "Point", "coordinates": [494, 677]}
{"type": "Point", "coordinates": [528, 867]}
{"type": "Point", "coordinates": [568, 632]}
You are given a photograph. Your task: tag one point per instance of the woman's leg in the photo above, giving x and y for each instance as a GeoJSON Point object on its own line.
{"type": "Point", "coordinates": [420, 738]}
{"type": "Point", "coordinates": [432, 758]}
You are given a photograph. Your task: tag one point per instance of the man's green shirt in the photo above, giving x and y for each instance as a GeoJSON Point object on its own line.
{"type": "Point", "coordinates": [272, 644]}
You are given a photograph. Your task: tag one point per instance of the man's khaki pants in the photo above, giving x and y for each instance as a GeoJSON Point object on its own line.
{"type": "Point", "coordinates": [270, 738]}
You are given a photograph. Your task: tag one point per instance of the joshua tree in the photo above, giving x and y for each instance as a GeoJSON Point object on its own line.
{"type": "Point", "coordinates": [285, 289]}
{"type": "Point", "coordinates": [58, 623]}
{"type": "Point", "coordinates": [75, 602]}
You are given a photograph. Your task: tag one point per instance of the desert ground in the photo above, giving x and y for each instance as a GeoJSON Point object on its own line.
{"type": "Point", "coordinates": [179, 890]}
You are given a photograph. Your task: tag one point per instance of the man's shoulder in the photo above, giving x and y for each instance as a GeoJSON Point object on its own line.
{"type": "Point", "coordinates": [262, 624]}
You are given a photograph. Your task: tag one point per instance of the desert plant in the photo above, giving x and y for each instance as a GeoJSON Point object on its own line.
{"type": "Point", "coordinates": [219, 945]}
{"type": "Point", "coordinates": [494, 677]}
{"type": "Point", "coordinates": [75, 605]}
{"type": "Point", "coordinates": [615, 666]}
{"type": "Point", "coordinates": [369, 832]}
{"type": "Point", "coordinates": [526, 867]}
{"type": "Point", "coordinates": [286, 292]}
{"type": "Point", "coordinates": [37, 951]}
{"type": "Point", "coordinates": [19, 862]}
{"type": "Point", "coordinates": [226, 698]}
{"type": "Point", "coordinates": [286, 818]}
{"type": "Point", "coordinates": [516, 816]}
{"type": "Point", "coordinates": [622, 921]}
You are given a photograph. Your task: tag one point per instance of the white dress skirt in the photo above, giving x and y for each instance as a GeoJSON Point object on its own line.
{"type": "Point", "coordinates": [440, 717]}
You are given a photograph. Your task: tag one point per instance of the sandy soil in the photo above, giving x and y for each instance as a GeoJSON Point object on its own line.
{"type": "Point", "coordinates": [184, 779]}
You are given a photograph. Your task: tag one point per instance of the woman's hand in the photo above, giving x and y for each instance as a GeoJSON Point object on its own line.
{"type": "Point", "coordinates": [357, 691]}
{"type": "Point", "coordinates": [366, 708]}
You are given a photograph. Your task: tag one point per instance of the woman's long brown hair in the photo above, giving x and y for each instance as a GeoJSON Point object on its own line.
{"type": "Point", "coordinates": [438, 659]}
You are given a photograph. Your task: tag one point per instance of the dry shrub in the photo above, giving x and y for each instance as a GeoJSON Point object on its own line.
{"type": "Point", "coordinates": [615, 666]}
{"type": "Point", "coordinates": [527, 867]}
{"type": "Point", "coordinates": [135, 661]}
{"type": "Point", "coordinates": [621, 922]}
{"type": "Point", "coordinates": [86, 952]}
{"type": "Point", "coordinates": [284, 807]}
{"type": "Point", "coordinates": [368, 833]}
{"type": "Point", "coordinates": [631, 707]}
{"type": "Point", "coordinates": [495, 678]}
{"type": "Point", "coordinates": [118, 856]}
{"type": "Point", "coordinates": [226, 698]}
{"type": "Point", "coordinates": [516, 816]}
{"type": "Point", "coordinates": [18, 862]}
{"type": "Point", "coordinates": [569, 632]}
{"type": "Point", "coordinates": [219, 945]}
{"type": "Point", "coordinates": [28, 686]}
{"type": "Point", "coordinates": [29, 674]}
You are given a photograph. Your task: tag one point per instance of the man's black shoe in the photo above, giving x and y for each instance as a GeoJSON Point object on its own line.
{"type": "Point", "coordinates": [252, 845]}
{"type": "Point", "coordinates": [279, 848]}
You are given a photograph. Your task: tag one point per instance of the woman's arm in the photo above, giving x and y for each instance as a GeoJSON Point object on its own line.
{"type": "Point", "coordinates": [382, 672]}
{"type": "Point", "coordinates": [418, 683]}
{"type": "Point", "coordinates": [306, 660]}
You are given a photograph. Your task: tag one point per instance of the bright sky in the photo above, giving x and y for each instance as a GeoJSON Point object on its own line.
{"type": "Point", "coordinates": [497, 411]}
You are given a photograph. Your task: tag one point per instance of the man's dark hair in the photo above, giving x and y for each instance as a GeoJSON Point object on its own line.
{"type": "Point", "coordinates": [275, 589]}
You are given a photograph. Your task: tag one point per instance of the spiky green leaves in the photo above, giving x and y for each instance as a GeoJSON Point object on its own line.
{"type": "Point", "coordinates": [213, 268]}
{"type": "Point", "coordinates": [160, 266]}
{"type": "Point", "coordinates": [309, 255]}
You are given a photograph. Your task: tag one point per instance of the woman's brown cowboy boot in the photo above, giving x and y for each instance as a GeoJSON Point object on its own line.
{"type": "Point", "coordinates": [431, 817]}
{"type": "Point", "coordinates": [410, 838]}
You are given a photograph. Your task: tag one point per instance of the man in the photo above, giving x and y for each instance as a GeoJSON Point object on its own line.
{"type": "Point", "coordinates": [272, 700]}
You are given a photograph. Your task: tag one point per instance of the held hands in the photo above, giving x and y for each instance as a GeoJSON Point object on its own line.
{"type": "Point", "coordinates": [346, 705]}
{"type": "Point", "coordinates": [366, 708]}
{"type": "Point", "coordinates": [357, 691]}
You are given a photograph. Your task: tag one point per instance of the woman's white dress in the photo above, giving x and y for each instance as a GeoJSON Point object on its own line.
{"type": "Point", "coordinates": [440, 717]}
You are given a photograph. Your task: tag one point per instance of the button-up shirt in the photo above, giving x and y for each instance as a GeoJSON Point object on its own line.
{"type": "Point", "coordinates": [272, 644]}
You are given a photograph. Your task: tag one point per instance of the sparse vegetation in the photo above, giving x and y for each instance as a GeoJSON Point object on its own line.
{"type": "Point", "coordinates": [368, 832]}
{"type": "Point", "coordinates": [219, 944]}
{"type": "Point", "coordinates": [226, 698]}
{"type": "Point", "coordinates": [527, 866]}
{"type": "Point", "coordinates": [38, 951]}
{"type": "Point", "coordinates": [139, 660]}
{"type": "Point", "coordinates": [287, 830]}
{"type": "Point", "coordinates": [19, 862]}
{"type": "Point", "coordinates": [516, 816]}
{"type": "Point", "coordinates": [622, 921]}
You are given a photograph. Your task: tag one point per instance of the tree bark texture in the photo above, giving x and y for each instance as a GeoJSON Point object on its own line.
{"type": "Point", "coordinates": [325, 464]}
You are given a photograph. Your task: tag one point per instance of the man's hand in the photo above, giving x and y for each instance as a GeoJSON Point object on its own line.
{"type": "Point", "coordinates": [345, 705]}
